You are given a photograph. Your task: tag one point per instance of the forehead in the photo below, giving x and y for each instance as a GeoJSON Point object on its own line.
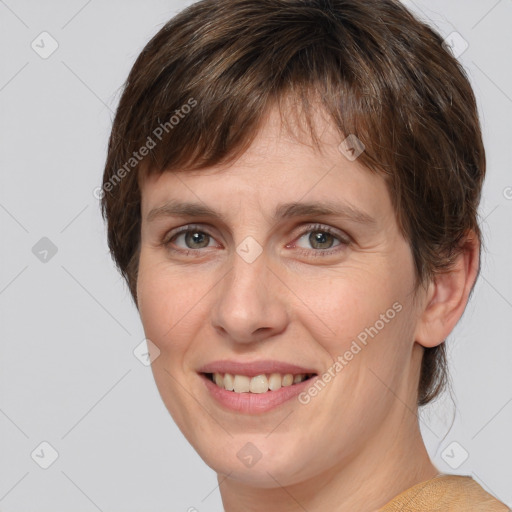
{"type": "Point", "coordinates": [282, 165]}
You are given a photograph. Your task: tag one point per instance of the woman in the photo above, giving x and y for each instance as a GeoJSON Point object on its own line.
{"type": "Point", "coordinates": [291, 192]}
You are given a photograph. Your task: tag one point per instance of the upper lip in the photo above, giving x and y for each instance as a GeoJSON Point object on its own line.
{"type": "Point", "coordinates": [251, 369]}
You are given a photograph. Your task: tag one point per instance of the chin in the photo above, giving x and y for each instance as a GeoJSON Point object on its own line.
{"type": "Point", "coordinates": [271, 465]}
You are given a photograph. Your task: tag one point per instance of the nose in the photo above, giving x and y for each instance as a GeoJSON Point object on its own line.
{"type": "Point", "coordinates": [250, 303]}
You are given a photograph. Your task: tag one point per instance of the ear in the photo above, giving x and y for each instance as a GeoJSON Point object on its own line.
{"type": "Point", "coordinates": [448, 295]}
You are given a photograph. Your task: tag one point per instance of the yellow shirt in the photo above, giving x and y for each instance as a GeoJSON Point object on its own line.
{"type": "Point", "coordinates": [453, 493]}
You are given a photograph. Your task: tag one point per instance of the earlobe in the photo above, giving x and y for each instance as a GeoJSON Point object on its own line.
{"type": "Point", "coordinates": [447, 296]}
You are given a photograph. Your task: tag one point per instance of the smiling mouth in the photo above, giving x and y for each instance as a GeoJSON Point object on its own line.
{"type": "Point", "coordinates": [257, 384]}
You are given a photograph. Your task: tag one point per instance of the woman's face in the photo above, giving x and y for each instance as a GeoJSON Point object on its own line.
{"type": "Point", "coordinates": [285, 291]}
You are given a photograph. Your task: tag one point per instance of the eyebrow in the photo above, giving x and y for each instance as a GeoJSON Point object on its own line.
{"type": "Point", "coordinates": [284, 211]}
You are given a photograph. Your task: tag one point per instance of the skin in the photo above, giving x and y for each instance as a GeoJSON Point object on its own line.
{"type": "Point", "coordinates": [355, 445]}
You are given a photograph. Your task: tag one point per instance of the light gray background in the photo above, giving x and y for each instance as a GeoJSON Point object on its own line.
{"type": "Point", "coordinates": [68, 328]}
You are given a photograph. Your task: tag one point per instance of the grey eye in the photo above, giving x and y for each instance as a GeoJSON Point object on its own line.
{"type": "Point", "coordinates": [194, 239]}
{"type": "Point", "coordinates": [319, 239]}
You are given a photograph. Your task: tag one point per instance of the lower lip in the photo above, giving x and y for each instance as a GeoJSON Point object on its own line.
{"type": "Point", "coordinates": [254, 403]}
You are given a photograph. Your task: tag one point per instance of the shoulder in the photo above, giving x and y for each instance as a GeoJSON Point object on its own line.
{"type": "Point", "coordinates": [446, 492]}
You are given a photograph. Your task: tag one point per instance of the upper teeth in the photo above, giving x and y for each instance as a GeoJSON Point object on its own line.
{"type": "Point", "coordinates": [259, 384]}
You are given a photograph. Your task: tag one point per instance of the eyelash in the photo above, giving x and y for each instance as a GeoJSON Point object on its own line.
{"type": "Point", "coordinates": [307, 252]}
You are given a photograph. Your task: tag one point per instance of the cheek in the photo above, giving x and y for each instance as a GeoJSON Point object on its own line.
{"type": "Point", "coordinates": [168, 302]}
{"type": "Point", "coordinates": [341, 306]}
{"type": "Point", "coordinates": [363, 321]}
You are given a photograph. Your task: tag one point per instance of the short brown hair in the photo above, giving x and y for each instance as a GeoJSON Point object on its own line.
{"type": "Point", "coordinates": [380, 74]}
